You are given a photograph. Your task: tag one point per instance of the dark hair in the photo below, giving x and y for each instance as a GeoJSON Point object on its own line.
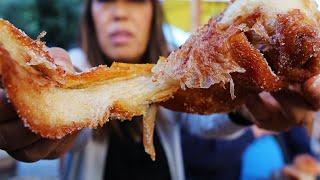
{"type": "Point", "coordinates": [157, 45]}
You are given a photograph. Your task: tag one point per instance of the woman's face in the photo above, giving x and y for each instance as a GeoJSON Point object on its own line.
{"type": "Point", "coordinates": [122, 27]}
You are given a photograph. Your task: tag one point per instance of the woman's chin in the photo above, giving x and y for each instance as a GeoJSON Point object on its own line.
{"type": "Point", "coordinates": [127, 55]}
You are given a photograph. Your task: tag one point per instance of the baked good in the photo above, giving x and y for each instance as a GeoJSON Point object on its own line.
{"type": "Point", "coordinates": [253, 46]}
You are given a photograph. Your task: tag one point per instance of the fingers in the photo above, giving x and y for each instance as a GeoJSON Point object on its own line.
{"type": "Point", "coordinates": [13, 136]}
{"type": "Point", "coordinates": [280, 110]}
{"type": "Point", "coordinates": [291, 172]}
{"type": "Point", "coordinates": [44, 149]}
{"type": "Point", "coordinates": [256, 107]}
{"type": "Point", "coordinates": [18, 140]}
{"type": "Point", "coordinates": [62, 58]}
{"type": "Point", "coordinates": [24, 145]}
{"type": "Point", "coordinates": [64, 145]}
{"type": "Point", "coordinates": [7, 111]}
{"type": "Point", "coordinates": [295, 106]}
{"type": "Point", "coordinates": [311, 91]}
{"type": "Point", "coordinates": [267, 113]}
{"type": "Point", "coordinates": [36, 151]}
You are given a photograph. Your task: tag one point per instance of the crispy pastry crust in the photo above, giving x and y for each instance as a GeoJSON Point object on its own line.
{"type": "Point", "coordinates": [37, 88]}
{"type": "Point", "coordinates": [249, 56]}
{"type": "Point", "coordinates": [263, 48]}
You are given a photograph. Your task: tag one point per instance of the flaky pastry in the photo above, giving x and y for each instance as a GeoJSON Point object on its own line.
{"type": "Point", "coordinates": [253, 46]}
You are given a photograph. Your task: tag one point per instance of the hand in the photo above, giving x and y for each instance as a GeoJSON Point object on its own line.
{"type": "Point", "coordinates": [304, 166]}
{"type": "Point", "coordinates": [19, 141]}
{"type": "Point", "coordinates": [287, 108]}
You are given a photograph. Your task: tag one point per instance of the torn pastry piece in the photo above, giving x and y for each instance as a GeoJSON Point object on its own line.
{"type": "Point", "coordinates": [53, 102]}
{"type": "Point", "coordinates": [253, 46]}
{"type": "Point", "coordinates": [148, 131]}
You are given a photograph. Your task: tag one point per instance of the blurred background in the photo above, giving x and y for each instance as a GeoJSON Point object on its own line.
{"type": "Point", "coordinates": [260, 153]}
{"type": "Point", "coordinates": [60, 19]}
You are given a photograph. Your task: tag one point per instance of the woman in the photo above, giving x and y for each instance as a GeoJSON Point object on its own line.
{"type": "Point", "coordinates": [130, 31]}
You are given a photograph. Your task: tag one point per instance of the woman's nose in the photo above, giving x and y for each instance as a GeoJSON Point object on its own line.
{"type": "Point", "coordinates": [120, 11]}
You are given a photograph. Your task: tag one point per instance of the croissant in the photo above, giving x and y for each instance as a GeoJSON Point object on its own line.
{"type": "Point", "coordinates": [253, 46]}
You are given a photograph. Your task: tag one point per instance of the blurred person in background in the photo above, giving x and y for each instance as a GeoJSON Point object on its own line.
{"type": "Point", "coordinates": [255, 154]}
{"type": "Point", "coordinates": [131, 31]}
{"type": "Point", "coordinates": [270, 152]}
{"type": "Point", "coordinates": [214, 158]}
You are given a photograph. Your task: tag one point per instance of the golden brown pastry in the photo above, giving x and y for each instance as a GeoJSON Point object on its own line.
{"type": "Point", "coordinates": [253, 46]}
{"type": "Point", "coordinates": [53, 102]}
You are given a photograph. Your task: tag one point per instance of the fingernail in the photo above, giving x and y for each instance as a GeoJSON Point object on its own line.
{"type": "Point", "coordinates": [316, 82]}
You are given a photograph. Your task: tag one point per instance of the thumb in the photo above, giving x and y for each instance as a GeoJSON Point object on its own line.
{"type": "Point", "coordinates": [311, 90]}
{"type": "Point", "coordinates": [61, 58]}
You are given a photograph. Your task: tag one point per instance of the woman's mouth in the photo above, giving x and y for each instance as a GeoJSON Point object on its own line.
{"type": "Point", "coordinates": [120, 37]}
